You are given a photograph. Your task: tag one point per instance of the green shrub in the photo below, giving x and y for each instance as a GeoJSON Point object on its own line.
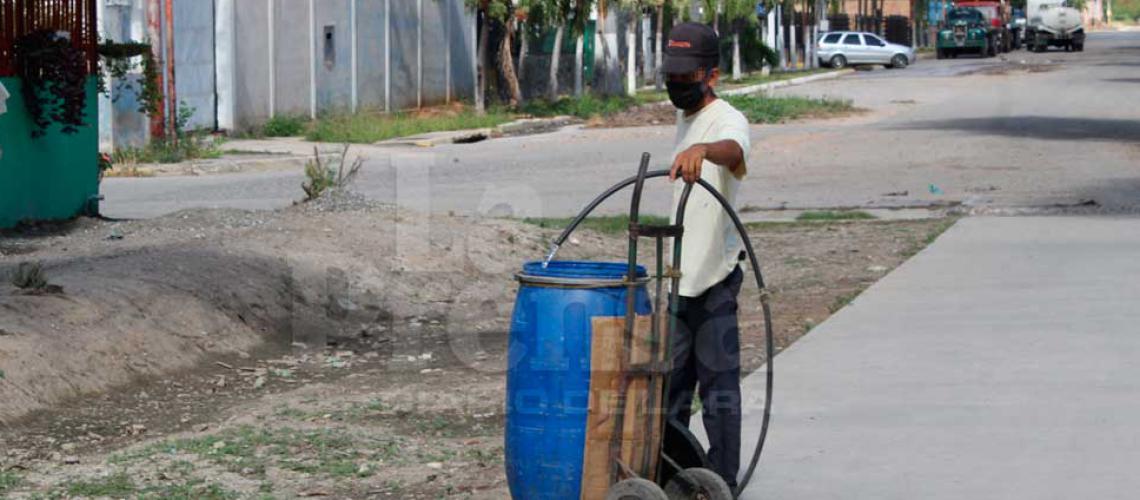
{"type": "Point", "coordinates": [367, 128]}
{"type": "Point", "coordinates": [324, 175]}
{"type": "Point", "coordinates": [185, 145]}
{"type": "Point", "coordinates": [285, 126]}
{"type": "Point", "coordinates": [770, 109]}
{"type": "Point", "coordinates": [29, 276]}
{"type": "Point", "coordinates": [832, 215]}
{"type": "Point", "coordinates": [587, 106]}
{"type": "Point", "coordinates": [607, 224]}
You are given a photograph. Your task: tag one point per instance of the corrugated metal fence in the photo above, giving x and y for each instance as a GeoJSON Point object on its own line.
{"type": "Point", "coordinates": [306, 57]}
{"type": "Point", "coordinates": [20, 17]}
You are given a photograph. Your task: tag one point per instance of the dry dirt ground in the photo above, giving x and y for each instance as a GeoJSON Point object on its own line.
{"type": "Point", "coordinates": [339, 349]}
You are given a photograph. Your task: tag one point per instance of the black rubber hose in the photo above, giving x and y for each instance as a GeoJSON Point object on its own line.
{"type": "Point", "coordinates": [769, 341]}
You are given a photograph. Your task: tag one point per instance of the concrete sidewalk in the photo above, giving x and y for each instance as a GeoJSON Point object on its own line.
{"type": "Point", "coordinates": [1003, 362]}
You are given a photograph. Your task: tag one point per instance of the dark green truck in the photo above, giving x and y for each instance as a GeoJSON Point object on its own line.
{"type": "Point", "coordinates": [966, 32]}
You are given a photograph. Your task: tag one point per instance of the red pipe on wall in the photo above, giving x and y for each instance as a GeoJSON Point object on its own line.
{"type": "Point", "coordinates": [154, 35]}
{"type": "Point", "coordinates": [172, 100]}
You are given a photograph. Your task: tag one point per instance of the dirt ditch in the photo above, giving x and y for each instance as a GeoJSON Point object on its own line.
{"type": "Point", "coordinates": [341, 349]}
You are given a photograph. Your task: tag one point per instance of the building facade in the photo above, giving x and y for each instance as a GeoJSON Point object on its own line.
{"type": "Point", "coordinates": [238, 63]}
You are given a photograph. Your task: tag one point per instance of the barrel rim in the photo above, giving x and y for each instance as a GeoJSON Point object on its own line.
{"type": "Point", "coordinates": [560, 282]}
{"type": "Point", "coordinates": [581, 269]}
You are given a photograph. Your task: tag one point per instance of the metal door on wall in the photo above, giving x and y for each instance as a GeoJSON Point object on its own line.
{"type": "Point", "coordinates": [194, 61]}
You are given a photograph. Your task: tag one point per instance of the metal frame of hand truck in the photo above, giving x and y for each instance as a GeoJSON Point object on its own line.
{"type": "Point", "coordinates": [660, 364]}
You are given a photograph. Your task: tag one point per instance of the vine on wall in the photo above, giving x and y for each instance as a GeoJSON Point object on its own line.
{"type": "Point", "coordinates": [119, 59]}
{"type": "Point", "coordinates": [54, 75]}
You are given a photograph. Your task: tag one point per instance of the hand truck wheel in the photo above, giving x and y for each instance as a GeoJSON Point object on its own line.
{"type": "Point", "coordinates": [698, 483]}
{"type": "Point", "coordinates": [636, 489]}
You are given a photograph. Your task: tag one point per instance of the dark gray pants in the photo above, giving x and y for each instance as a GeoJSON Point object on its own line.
{"type": "Point", "coordinates": [706, 355]}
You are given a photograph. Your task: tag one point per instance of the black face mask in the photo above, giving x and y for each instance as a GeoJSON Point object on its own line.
{"type": "Point", "coordinates": [686, 95]}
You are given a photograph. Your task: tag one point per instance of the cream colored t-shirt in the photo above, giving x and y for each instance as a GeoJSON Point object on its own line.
{"type": "Point", "coordinates": [710, 248]}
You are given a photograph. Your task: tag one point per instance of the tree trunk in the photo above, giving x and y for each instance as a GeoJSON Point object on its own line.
{"type": "Point", "coordinates": [805, 30]}
{"type": "Point", "coordinates": [736, 56]}
{"type": "Point", "coordinates": [658, 81]}
{"type": "Point", "coordinates": [578, 69]}
{"type": "Point", "coordinates": [630, 61]}
{"type": "Point", "coordinates": [765, 37]}
{"type": "Point", "coordinates": [646, 50]}
{"type": "Point", "coordinates": [522, 52]}
{"type": "Point", "coordinates": [481, 90]}
{"type": "Point", "coordinates": [781, 45]}
{"type": "Point", "coordinates": [716, 17]}
{"type": "Point", "coordinates": [555, 56]}
{"type": "Point", "coordinates": [608, 84]}
{"type": "Point", "coordinates": [507, 65]}
{"type": "Point", "coordinates": [793, 49]}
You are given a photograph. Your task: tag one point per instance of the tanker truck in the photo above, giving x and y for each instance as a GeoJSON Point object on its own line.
{"type": "Point", "coordinates": [1053, 23]}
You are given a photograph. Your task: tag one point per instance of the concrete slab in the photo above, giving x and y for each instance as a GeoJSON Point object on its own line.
{"type": "Point", "coordinates": [1000, 363]}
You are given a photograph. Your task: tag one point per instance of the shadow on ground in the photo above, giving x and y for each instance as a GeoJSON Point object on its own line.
{"type": "Point", "coordinates": [1120, 195]}
{"type": "Point", "coordinates": [1039, 127]}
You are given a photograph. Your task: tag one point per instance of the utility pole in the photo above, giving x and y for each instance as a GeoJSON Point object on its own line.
{"type": "Point", "coordinates": [658, 81]}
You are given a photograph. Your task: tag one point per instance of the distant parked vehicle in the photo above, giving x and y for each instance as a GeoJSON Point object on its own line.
{"type": "Point", "coordinates": [1017, 28]}
{"type": "Point", "coordinates": [966, 31]}
{"type": "Point", "coordinates": [839, 49]}
{"type": "Point", "coordinates": [1054, 23]}
{"type": "Point", "coordinates": [998, 15]}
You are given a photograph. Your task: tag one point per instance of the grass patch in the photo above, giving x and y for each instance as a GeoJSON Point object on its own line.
{"type": "Point", "coordinates": [189, 147]}
{"type": "Point", "coordinates": [285, 126]}
{"type": "Point", "coordinates": [588, 106]}
{"type": "Point", "coordinates": [249, 451]}
{"type": "Point", "coordinates": [195, 489]}
{"type": "Point", "coordinates": [606, 224]}
{"type": "Point", "coordinates": [843, 301]}
{"type": "Point", "coordinates": [757, 78]}
{"type": "Point", "coordinates": [769, 109]}
{"type": "Point", "coordinates": [1126, 10]}
{"type": "Point", "coordinates": [183, 144]}
{"type": "Point", "coordinates": [651, 96]}
{"type": "Point", "coordinates": [834, 215]}
{"type": "Point", "coordinates": [367, 128]}
{"type": "Point", "coordinates": [116, 485]}
{"type": "Point", "coordinates": [9, 480]}
{"type": "Point", "coordinates": [933, 235]}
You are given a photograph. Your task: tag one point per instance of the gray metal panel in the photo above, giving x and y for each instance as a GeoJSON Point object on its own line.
{"type": "Point", "coordinates": [370, 44]}
{"type": "Point", "coordinates": [131, 128]}
{"type": "Point", "coordinates": [194, 60]}
{"type": "Point", "coordinates": [252, 66]}
{"type": "Point", "coordinates": [292, 47]}
{"type": "Point", "coordinates": [404, 68]}
{"type": "Point", "coordinates": [334, 69]}
{"type": "Point", "coordinates": [120, 122]}
{"type": "Point", "coordinates": [435, 54]}
{"type": "Point", "coordinates": [461, 25]}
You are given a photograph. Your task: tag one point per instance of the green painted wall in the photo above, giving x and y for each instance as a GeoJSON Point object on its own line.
{"type": "Point", "coordinates": [51, 177]}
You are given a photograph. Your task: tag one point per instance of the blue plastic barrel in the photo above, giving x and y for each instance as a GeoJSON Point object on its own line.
{"type": "Point", "coordinates": [548, 377]}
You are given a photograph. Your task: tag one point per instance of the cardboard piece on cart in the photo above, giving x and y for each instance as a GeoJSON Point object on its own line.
{"type": "Point", "coordinates": [605, 380]}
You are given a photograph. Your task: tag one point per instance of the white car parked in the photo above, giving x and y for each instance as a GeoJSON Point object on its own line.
{"type": "Point", "coordinates": [839, 49]}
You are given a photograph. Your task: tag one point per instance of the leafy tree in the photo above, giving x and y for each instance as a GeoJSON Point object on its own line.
{"type": "Point", "coordinates": [507, 13]}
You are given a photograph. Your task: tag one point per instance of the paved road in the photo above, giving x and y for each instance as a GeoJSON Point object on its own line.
{"type": "Point", "coordinates": [1000, 363]}
{"type": "Point", "coordinates": [1058, 136]}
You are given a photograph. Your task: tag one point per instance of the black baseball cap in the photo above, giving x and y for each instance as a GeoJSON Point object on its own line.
{"type": "Point", "coordinates": [691, 46]}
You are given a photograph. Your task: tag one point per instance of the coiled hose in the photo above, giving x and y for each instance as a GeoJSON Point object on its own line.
{"type": "Point", "coordinates": [769, 341]}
